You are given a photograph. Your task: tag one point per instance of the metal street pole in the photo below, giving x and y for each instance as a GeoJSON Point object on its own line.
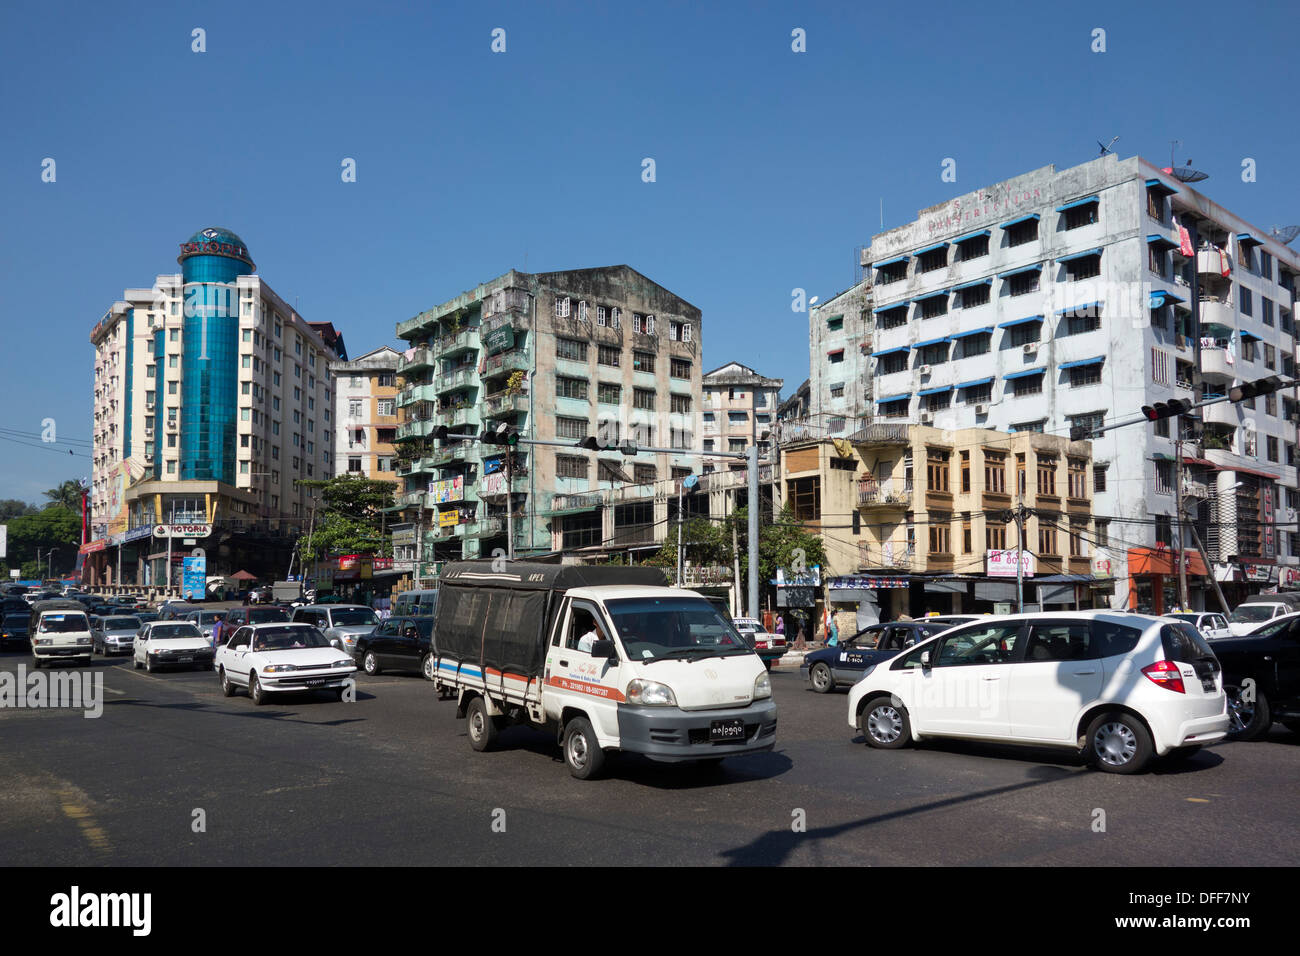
{"type": "Point", "coordinates": [1020, 556]}
{"type": "Point", "coordinates": [1218, 591]}
{"type": "Point", "coordinates": [510, 521]}
{"type": "Point", "coordinates": [1183, 602]}
{"type": "Point", "coordinates": [679, 532]}
{"type": "Point", "coordinates": [752, 455]}
{"type": "Point", "coordinates": [169, 549]}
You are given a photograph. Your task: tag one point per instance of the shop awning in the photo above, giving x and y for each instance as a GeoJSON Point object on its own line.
{"type": "Point", "coordinates": [971, 235]}
{"type": "Point", "coordinates": [1080, 255]}
{"type": "Point", "coordinates": [893, 398]}
{"type": "Point", "coordinates": [1246, 239]}
{"type": "Point", "coordinates": [1036, 267]}
{"type": "Point", "coordinates": [893, 351]}
{"type": "Point", "coordinates": [1085, 201]}
{"type": "Point", "coordinates": [1015, 222]}
{"type": "Point", "coordinates": [1015, 322]}
{"type": "Point", "coordinates": [1024, 374]}
{"type": "Point", "coordinates": [936, 390]}
{"type": "Point", "coordinates": [977, 382]}
{"type": "Point", "coordinates": [931, 295]}
{"type": "Point", "coordinates": [1082, 362]}
{"type": "Point", "coordinates": [1248, 335]}
{"type": "Point", "coordinates": [1161, 298]}
{"type": "Point", "coordinates": [1086, 308]}
{"type": "Point", "coordinates": [987, 330]}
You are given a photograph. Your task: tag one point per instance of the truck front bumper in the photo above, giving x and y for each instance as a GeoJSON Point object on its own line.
{"type": "Point", "coordinates": [669, 734]}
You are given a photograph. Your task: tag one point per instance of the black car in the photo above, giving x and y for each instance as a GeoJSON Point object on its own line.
{"type": "Point", "coordinates": [400, 643]}
{"type": "Point", "coordinates": [15, 628]}
{"type": "Point", "coordinates": [1261, 676]}
{"type": "Point", "coordinates": [844, 663]}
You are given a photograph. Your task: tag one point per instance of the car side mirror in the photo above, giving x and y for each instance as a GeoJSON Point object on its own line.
{"type": "Point", "coordinates": [604, 649]}
{"type": "Point", "coordinates": [925, 660]}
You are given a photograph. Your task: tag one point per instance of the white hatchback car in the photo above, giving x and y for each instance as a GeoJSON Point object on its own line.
{"type": "Point", "coordinates": [1120, 687]}
{"type": "Point", "coordinates": [278, 658]}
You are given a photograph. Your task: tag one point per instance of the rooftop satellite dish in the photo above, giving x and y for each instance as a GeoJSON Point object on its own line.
{"type": "Point", "coordinates": [1107, 148]}
{"type": "Point", "coordinates": [1286, 234]}
{"type": "Point", "coordinates": [1186, 174]}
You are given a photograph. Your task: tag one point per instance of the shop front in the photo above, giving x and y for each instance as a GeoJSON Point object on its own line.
{"type": "Point", "coordinates": [1153, 580]}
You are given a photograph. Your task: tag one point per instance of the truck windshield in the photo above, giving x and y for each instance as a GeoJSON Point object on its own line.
{"type": "Point", "coordinates": [653, 629]}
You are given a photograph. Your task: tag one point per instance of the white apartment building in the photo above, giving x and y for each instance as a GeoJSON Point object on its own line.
{"type": "Point", "coordinates": [365, 414]}
{"type": "Point", "coordinates": [739, 409]}
{"type": "Point", "coordinates": [1058, 299]}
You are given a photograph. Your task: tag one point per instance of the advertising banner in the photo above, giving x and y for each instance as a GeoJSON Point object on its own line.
{"type": "Point", "coordinates": [448, 518]}
{"type": "Point", "coordinates": [194, 573]}
{"type": "Point", "coordinates": [447, 490]}
{"type": "Point", "coordinates": [1002, 564]}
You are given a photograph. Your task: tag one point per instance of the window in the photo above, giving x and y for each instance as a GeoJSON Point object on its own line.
{"type": "Point", "coordinates": [608, 355]}
{"type": "Point", "coordinates": [1164, 477]}
{"type": "Point", "coordinates": [894, 409]}
{"type": "Point", "coordinates": [837, 391]}
{"type": "Point", "coordinates": [1085, 267]}
{"type": "Point", "coordinates": [602, 316]}
{"type": "Point", "coordinates": [1247, 301]}
{"type": "Point", "coordinates": [1078, 477]}
{"type": "Point", "coordinates": [1027, 385]}
{"type": "Point", "coordinates": [1270, 403]}
{"type": "Point", "coordinates": [1022, 232]}
{"type": "Point", "coordinates": [1155, 204]}
{"type": "Point", "coordinates": [892, 317]}
{"type": "Point", "coordinates": [1266, 309]}
{"type": "Point", "coordinates": [1023, 283]}
{"type": "Point", "coordinates": [354, 465]}
{"type": "Point", "coordinates": [1083, 320]}
{"type": "Point", "coordinates": [974, 295]}
{"type": "Point", "coordinates": [934, 306]}
{"type": "Point", "coordinates": [615, 317]}
{"type": "Point", "coordinates": [933, 354]}
{"type": "Point", "coordinates": [643, 361]}
{"type": "Point", "coordinates": [1082, 375]}
{"type": "Point", "coordinates": [836, 357]}
{"type": "Point", "coordinates": [1047, 541]}
{"type": "Point", "coordinates": [681, 404]}
{"type": "Point", "coordinates": [934, 259]}
{"type": "Point", "coordinates": [1025, 333]}
{"type": "Point", "coordinates": [1270, 444]}
{"type": "Point", "coordinates": [643, 398]}
{"type": "Point", "coordinates": [804, 495]}
{"type": "Point", "coordinates": [571, 349]}
{"type": "Point", "coordinates": [638, 322]}
{"type": "Point", "coordinates": [570, 387]}
{"type": "Point", "coordinates": [936, 469]}
{"type": "Point", "coordinates": [890, 364]}
{"type": "Point", "coordinates": [1088, 420]}
{"type": "Point", "coordinates": [966, 542]}
{"type": "Point", "coordinates": [978, 344]}
{"type": "Point", "coordinates": [1046, 475]}
{"type": "Point", "coordinates": [940, 531]}
{"type": "Point", "coordinates": [562, 307]}
{"type": "Point", "coordinates": [1101, 534]}
{"type": "Point", "coordinates": [570, 466]}
{"type": "Point", "coordinates": [1270, 357]}
{"type": "Point", "coordinates": [995, 472]}
{"type": "Point", "coordinates": [894, 272]}
{"type": "Point", "coordinates": [973, 248]}
{"type": "Point", "coordinates": [680, 368]}
{"type": "Point", "coordinates": [1079, 216]}
{"type": "Point", "coordinates": [835, 323]}
{"type": "Point", "coordinates": [978, 394]}
{"type": "Point", "coordinates": [644, 474]}
{"type": "Point", "coordinates": [965, 472]}
{"type": "Point", "coordinates": [937, 401]}
{"type": "Point", "coordinates": [387, 407]}
{"type": "Point", "coordinates": [674, 331]}
{"type": "Point", "coordinates": [995, 536]}
{"type": "Point", "coordinates": [608, 394]}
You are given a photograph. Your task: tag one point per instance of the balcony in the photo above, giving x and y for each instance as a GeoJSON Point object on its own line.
{"type": "Point", "coordinates": [411, 499]}
{"type": "Point", "coordinates": [455, 451]}
{"type": "Point", "coordinates": [484, 528]}
{"type": "Point", "coordinates": [890, 556]}
{"type": "Point", "coordinates": [1195, 489]}
{"type": "Point", "coordinates": [450, 381]}
{"type": "Point", "coordinates": [465, 340]}
{"type": "Point", "coordinates": [1218, 312]}
{"type": "Point", "coordinates": [515, 316]}
{"type": "Point", "coordinates": [421, 428]}
{"type": "Point", "coordinates": [881, 434]}
{"type": "Point", "coordinates": [1224, 413]}
{"type": "Point", "coordinates": [416, 393]}
{"type": "Point", "coordinates": [494, 485]}
{"type": "Point", "coordinates": [457, 417]}
{"type": "Point", "coordinates": [516, 360]}
{"type": "Point", "coordinates": [1210, 263]}
{"type": "Point", "coordinates": [420, 358]}
{"type": "Point", "coordinates": [504, 404]}
{"type": "Point", "coordinates": [887, 494]}
{"type": "Point", "coordinates": [632, 534]}
{"type": "Point", "coordinates": [1215, 364]}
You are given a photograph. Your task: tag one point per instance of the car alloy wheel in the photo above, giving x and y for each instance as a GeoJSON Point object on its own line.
{"type": "Point", "coordinates": [884, 724]}
{"type": "Point", "coordinates": [427, 668]}
{"type": "Point", "coordinates": [1115, 744]}
{"type": "Point", "coordinates": [822, 681]}
{"type": "Point", "coordinates": [371, 663]}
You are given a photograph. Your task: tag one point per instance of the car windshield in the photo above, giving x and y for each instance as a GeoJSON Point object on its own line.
{"type": "Point", "coordinates": [168, 632]}
{"type": "Point", "coordinates": [121, 624]}
{"type": "Point", "coordinates": [352, 617]}
{"type": "Point", "coordinates": [654, 629]}
{"type": "Point", "coordinates": [288, 638]}
{"type": "Point", "coordinates": [206, 617]}
{"type": "Point", "coordinates": [63, 623]}
{"type": "Point", "coordinates": [267, 615]}
{"type": "Point", "coordinates": [1189, 618]}
{"type": "Point", "coordinates": [1252, 613]}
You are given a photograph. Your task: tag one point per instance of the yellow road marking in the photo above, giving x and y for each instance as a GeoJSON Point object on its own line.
{"type": "Point", "coordinates": [91, 830]}
{"type": "Point", "coordinates": [1196, 800]}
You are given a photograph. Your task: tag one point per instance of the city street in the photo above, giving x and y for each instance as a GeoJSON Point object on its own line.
{"type": "Point", "coordinates": [391, 780]}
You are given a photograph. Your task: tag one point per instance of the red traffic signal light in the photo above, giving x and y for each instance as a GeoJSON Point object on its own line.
{"type": "Point", "coordinates": [1261, 386]}
{"type": "Point", "coordinates": [1175, 406]}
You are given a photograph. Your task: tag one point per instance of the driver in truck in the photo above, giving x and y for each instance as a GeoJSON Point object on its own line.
{"type": "Point", "coordinates": [592, 635]}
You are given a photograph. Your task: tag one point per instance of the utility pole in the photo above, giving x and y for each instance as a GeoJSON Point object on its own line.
{"type": "Point", "coordinates": [1020, 554]}
{"type": "Point", "coordinates": [1183, 602]}
{"type": "Point", "coordinates": [510, 521]}
{"type": "Point", "coordinates": [171, 522]}
{"type": "Point", "coordinates": [753, 529]}
{"type": "Point", "coordinates": [679, 532]}
{"type": "Point", "coordinates": [1218, 591]}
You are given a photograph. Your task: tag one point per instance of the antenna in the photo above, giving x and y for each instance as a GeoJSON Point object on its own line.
{"type": "Point", "coordinates": [1107, 148]}
{"type": "Point", "coordinates": [1286, 234]}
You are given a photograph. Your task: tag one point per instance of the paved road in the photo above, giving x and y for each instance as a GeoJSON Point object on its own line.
{"type": "Point", "coordinates": [391, 780]}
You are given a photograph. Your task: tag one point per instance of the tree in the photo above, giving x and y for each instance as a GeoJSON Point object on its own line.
{"type": "Point", "coordinates": [349, 518]}
{"type": "Point", "coordinates": [707, 543]}
{"type": "Point", "coordinates": [55, 527]}
{"type": "Point", "coordinates": [13, 508]}
{"type": "Point", "coordinates": [66, 495]}
{"type": "Point", "coordinates": [782, 544]}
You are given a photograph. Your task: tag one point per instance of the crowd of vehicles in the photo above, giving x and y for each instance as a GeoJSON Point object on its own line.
{"type": "Point", "coordinates": [612, 659]}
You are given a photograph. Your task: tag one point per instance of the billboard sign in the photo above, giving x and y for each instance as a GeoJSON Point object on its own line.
{"type": "Point", "coordinates": [194, 573]}
{"type": "Point", "coordinates": [1002, 564]}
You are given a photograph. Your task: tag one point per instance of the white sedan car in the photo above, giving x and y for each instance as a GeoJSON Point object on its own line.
{"type": "Point", "coordinates": [1122, 688]}
{"type": "Point", "coordinates": [279, 658]}
{"type": "Point", "coordinates": [171, 644]}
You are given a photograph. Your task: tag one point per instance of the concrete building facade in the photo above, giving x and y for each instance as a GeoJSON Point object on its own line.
{"type": "Point", "coordinates": [839, 362]}
{"type": "Point", "coordinates": [739, 410]}
{"type": "Point", "coordinates": [211, 396]}
{"type": "Point", "coordinates": [1069, 298]}
{"type": "Point", "coordinates": [365, 415]}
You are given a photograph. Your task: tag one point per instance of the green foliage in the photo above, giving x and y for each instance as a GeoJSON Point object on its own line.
{"type": "Point", "coordinates": [13, 508]}
{"type": "Point", "coordinates": [67, 495]}
{"type": "Point", "coordinates": [54, 527]}
{"type": "Point", "coordinates": [349, 518]}
{"type": "Point", "coordinates": [707, 543]}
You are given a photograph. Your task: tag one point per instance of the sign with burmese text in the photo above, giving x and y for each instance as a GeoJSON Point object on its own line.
{"type": "Point", "coordinates": [1002, 564]}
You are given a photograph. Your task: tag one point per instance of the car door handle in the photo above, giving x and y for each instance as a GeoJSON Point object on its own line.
{"type": "Point", "coordinates": [999, 677]}
{"type": "Point", "coordinates": [564, 663]}
{"type": "Point", "coordinates": [1082, 673]}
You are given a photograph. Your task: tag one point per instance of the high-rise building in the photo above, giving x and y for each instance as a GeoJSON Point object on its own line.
{"type": "Point", "coordinates": [365, 415]}
{"type": "Point", "coordinates": [561, 356]}
{"type": "Point", "coordinates": [212, 396]}
{"type": "Point", "coordinates": [1073, 298]}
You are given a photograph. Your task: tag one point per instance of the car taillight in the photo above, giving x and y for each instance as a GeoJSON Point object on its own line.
{"type": "Point", "coordinates": [761, 645]}
{"type": "Point", "coordinates": [1166, 674]}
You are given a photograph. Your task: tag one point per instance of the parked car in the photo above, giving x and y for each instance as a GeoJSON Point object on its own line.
{"type": "Point", "coordinates": [1261, 675]}
{"type": "Point", "coordinates": [60, 629]}
{"type": "Point", "coordinates": [845, 663]}
{"type": "Point", "coordinates": [1257, 610]}
{"type": "Point", "coordinates": [1129, 686]}
{"type": "Point", "coordinates": [769, 647]}
{"type": "Point", "coordinates": [278, 658]}
{"type": "Point", "coordinates": [342, 624]}
{"type": "Point", "coordinates": [1212, 626]}
{"type": "Point", "coordinates": [114, 634]}
{"type": "Point", "coordinates": [400, 643]}
{"type": "Point", "coordinates": [171, 644]}
{"type": "Point", "coordinates": [146, 616]}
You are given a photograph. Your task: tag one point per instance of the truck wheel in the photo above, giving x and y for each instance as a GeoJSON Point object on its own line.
{"type": "Point", "coordinates": [821, 679]}
{"type": "Point", "coordinates": [581, 751]}
{"type": "Point", "coordinates": [480, 726]}
{"type": "Point", "coordinates": [1248, 720]}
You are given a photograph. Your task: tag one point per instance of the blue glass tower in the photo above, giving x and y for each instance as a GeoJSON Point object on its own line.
{"type": "Point", "coordinates": [211, 262]}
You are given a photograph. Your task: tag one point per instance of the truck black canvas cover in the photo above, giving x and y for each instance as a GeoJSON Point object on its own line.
{"type": "Point", "coordinates": [497, 619]}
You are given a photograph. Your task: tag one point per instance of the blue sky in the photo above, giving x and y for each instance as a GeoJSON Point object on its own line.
{"type": "Point", "coordinates": [771, 165]}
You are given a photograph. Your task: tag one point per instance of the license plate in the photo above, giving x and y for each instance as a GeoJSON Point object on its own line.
{"type": "Point", "coordinates": [733, 729]}
{"type": "Point", "coordinates": [317, 683]}
{"type": "Point", "coordinates": [185, 660]}
{"type": "Point", "coordinates": [1207, 683]}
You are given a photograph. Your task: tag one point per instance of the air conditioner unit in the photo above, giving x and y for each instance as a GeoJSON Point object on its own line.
{"type": "Point", "coordinates": [981, 409]}
{"type": "Point", "coordinates": [173, 426]}
{"type": "Point", "coordinates": [1031, 348]}
{"type": "Point", "coordinates": [926, 369]}
{"type": "Point", "coordinates": [926, 418]}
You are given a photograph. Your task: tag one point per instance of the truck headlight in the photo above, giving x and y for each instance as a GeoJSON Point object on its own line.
{"type": "Point", "coordinates": [649, 693]}
{"type": "Point", "coordinates": [762, 686]}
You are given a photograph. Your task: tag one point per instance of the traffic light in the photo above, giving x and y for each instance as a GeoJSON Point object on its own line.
{"type": "Point", "coordinates": [608, 443]}
{"type": "Point", "coordinates": [1175, 406]}
{"type": "Point", "coordinates": [1261, 386]}
{"type": "Point", "coordinates": [503, 434]}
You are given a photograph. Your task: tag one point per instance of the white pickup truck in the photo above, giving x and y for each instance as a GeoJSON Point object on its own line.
{"type": "Point", "coordinates": [608, 658]}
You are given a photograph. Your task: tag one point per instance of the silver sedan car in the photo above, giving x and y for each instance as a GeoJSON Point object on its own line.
{"type": "Point", "coordinates": [113, 634]}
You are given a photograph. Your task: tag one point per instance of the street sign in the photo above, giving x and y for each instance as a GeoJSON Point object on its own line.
{"type": "Point", "coordinates": [182, 530]}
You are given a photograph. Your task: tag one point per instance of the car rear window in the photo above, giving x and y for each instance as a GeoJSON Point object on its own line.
{"type": "Point", "coordinates": [1184, 644]}
{"type": "Point", "coordinates": [1111, 639]}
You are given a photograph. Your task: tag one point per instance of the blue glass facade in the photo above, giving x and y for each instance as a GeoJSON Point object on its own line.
{"type": "Point", "coordinates": [211, 262]}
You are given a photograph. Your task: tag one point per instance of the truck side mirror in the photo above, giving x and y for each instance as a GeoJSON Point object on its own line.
{"type": "Point", "coordinates": [604, 649]}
